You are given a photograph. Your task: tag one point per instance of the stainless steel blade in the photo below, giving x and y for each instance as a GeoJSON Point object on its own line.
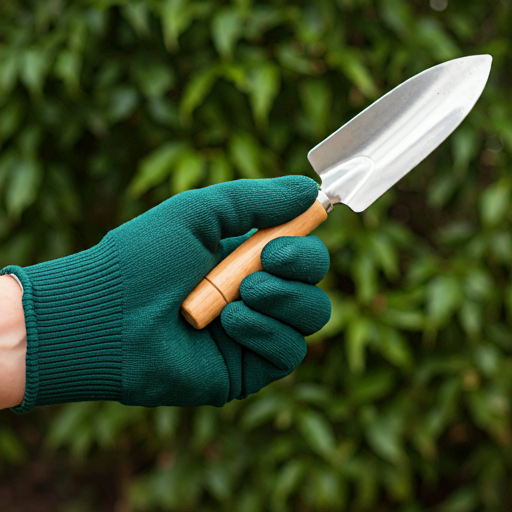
{"type": "Point", "coordinates": [370, 153]}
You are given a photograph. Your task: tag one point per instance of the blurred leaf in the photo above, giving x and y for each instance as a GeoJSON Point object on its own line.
{"type": "Point", "coordinates": [196, 91]}
{"type": "Point", "coordinates": [166, 422]}
{"type": "Point", "coordinates": [494, 202]}
{"type": "Point", "coordinates": [121, 103]}
{"type": "Point", "coordinates": [28, 140]}
{"type": "Point", "coordinates": [394, 348]}
{"type": "Point", "coordinates": [431, 34]}
{"type": "Point", "coordinates": [262, 19]}
{"type": "Point", "coordinates": [325, 489]}
{"type": "Point", "coordinates": [10, 119]}
{"type": "Point", "coordinates": [262, 411]}
{"type": "Point", "coordinates": [155, 167]}
{"type": "Point", "coordinates": [220, 170]}
{"type": "Point", "coordinates": [69, 421]}
{"type": "Point", "coordinates": [358, 336]}
{"type": "Point", "coordinates": [8, 160]}
{"type": "Point", "coordinates": [442, 190]}
{"type": "Point", "coordinates": [264, 80]}
{"type": "Point", "coordinates": [12, 449]}
{"type": "Point", "coordinates": [67, 67]}
{"type": "Point", "coordinates": [34, 67]}
{"type": "Point", "coordinates": [204, 430]}
{"type": "Point", "coordinates": [237, 74]}
{"type": "Point", "coordinates": [365, 276]}
{"type": "Point", "coordinates": [385, 254]}
{"type": "Point", "coordinates": [488, 359]}
{"type": "Point", "coordinates": [219, 482]}
{"type": "Point", "coordinates": [490, 409]}
{"type": "Point", "coordinates": [370, 387]}
{"type": "Point", "coordinates": [23, 187]}
{"type": "Point", "coordinates": [465, 147]}
{"type": "Point", "coordinates": [287, 481]}
{"type": "Point", "coordinates": [397, 14]}
{"type": "Point", "coordinates": [176, 18]}
{"type": "Point", "coordinates": [9, 64]}
{"type": "Point", "coordinates": [383, 434]}
{"type": "Point", "coordinates": [444, 296]}
{"type": "Point", "coordinates": [163, 111]}
{"type": "Point", "coordinates": [313, 394]}
{"type": "Point", "coordinates": [166, 488]}
{"type": "Point", "coordinates": [409, 320]}
{"type": "Point", "coordinates": [317, 100]}
{"type": "Point", "coordinates": [471, 318]}
{"type": "Point", "coordinates": [351, 64]}
{"type": "Point", "coordinates": [294, 60]}
{"type": "Point", "coordinates": [317, 433]}
{"type": "Point", "coordinates": [462, 500]}
{"type": "Point", "coordinates": [479, 285]}
{"type": "Point", "coordinates": [188, 171]}
{"type": "Point", "coordinates": [227, 26]}
{"type": "Point", "coordinates": [138, 16]}
{"type": "Point", "coordinates": [154, 79]}
{"type": "Point", "coordinates": [245, 155]}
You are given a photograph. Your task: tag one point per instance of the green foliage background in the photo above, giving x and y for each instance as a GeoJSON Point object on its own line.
{"type": "Point", "coordinates": [403, 403]}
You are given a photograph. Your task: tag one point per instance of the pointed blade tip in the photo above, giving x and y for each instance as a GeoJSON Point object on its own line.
{"type": "Point", "coordinates": [483, 61]}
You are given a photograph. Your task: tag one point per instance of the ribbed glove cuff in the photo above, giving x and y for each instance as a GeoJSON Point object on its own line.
{"type": "Point", "coordinates": [73, 315]}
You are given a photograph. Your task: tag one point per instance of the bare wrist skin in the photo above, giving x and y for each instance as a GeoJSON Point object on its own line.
{"type": "Point", "coordinates": [13, 343]}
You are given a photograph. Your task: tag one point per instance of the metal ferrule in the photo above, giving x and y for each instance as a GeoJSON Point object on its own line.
{"type": "Point", "coordinates": [324, 201]}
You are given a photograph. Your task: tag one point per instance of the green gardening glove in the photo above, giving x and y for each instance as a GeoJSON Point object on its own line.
{"type": "Point", "coordinates": [104, 324]}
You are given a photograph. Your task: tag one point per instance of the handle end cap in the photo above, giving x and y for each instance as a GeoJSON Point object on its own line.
{"type": "Point", "coordinates": [203, 305]}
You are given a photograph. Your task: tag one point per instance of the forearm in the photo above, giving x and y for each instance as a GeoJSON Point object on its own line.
{"type": "Point", "coordinates": [13, 343]}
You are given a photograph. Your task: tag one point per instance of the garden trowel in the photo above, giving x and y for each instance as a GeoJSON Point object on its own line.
{"type": "Point", "coordinates": [357, 164]}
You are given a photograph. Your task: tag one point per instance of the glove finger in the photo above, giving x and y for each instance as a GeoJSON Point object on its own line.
{"type": "Point", "coordinates": [232, 353]}
{"type": "Point", "coordinates": [303, 306]}
{"type": "Point", "coordinates": [258, 373]}
{"type": "Point", "coordinates": [279, 344]}
{"type": "Point", "coordinates": [297, 257]}
{"type": "Point", "coordinates": [228, 245]}
{"type": "Point", "coordinates": [231, 209]}
{"type": "Point", "coordinates": [247, 371]}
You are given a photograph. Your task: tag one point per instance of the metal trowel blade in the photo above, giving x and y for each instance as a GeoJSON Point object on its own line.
{"type": "Point", "coordinates": [370, 153]}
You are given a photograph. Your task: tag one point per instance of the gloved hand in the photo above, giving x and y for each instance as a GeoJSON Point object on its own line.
{"type": "Point", "coordinates": [104, 324]}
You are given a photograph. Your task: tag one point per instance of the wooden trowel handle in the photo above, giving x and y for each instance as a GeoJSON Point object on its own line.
{"type": "Point", "coordinates": [222, 285]}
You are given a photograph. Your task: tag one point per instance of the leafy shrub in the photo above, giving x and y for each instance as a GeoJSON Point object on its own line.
{"type": "Point", "coordinates": [107, 107]}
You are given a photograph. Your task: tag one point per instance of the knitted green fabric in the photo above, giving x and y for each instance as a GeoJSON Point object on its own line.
{"type": "Point", "coordinates": [104, 324]}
